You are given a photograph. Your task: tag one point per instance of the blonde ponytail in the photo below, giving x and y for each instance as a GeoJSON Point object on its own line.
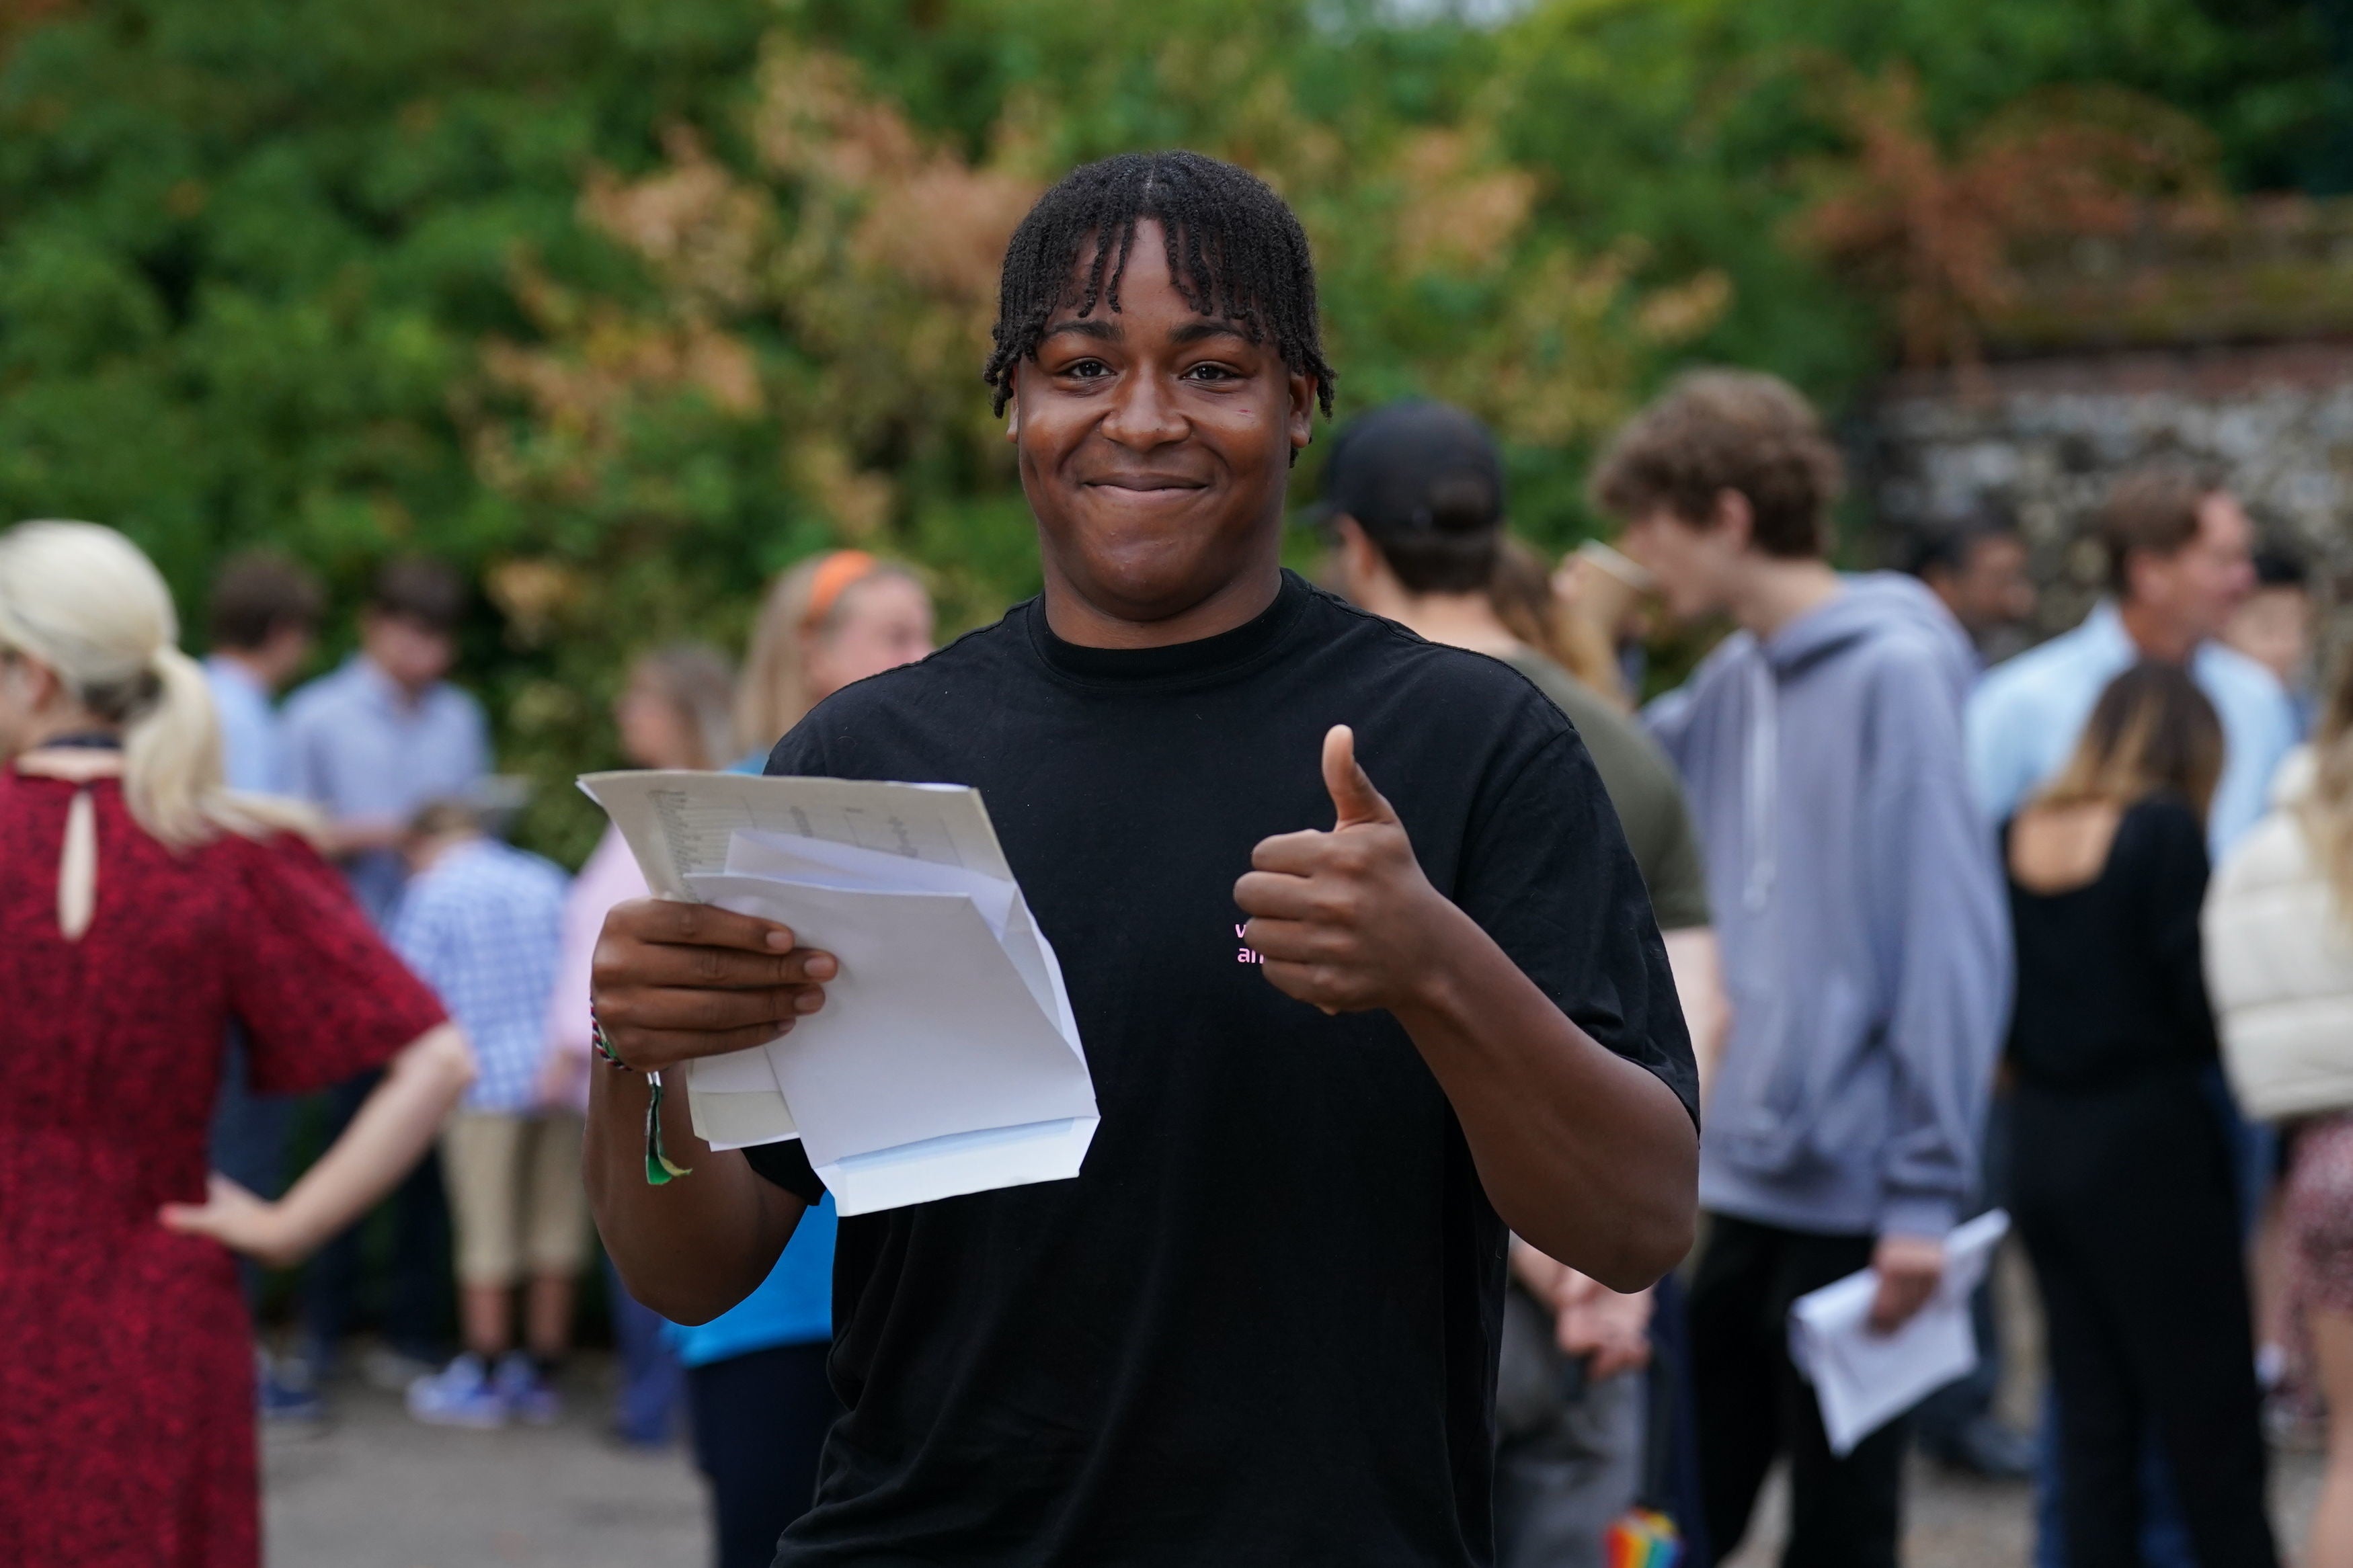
{"type": "Point", "coordinates": [172, 752]}
{"type": "Point", "coordinates": [84, 601]}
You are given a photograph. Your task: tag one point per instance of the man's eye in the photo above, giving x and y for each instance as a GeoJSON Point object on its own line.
{"type": "Point", "coordinates": [1085, 369]}
{"type": "Point", "coordinates": [1211, 371]}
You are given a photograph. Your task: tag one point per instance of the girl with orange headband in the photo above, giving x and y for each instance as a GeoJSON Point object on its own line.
{"type": "Point", "coordinates": [833, 619]}
{"type": "Point", "coordinates": [757, 1396]}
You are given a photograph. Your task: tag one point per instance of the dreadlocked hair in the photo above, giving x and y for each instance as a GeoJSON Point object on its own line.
{"type": "Point", "coordinates": [1235, 253]}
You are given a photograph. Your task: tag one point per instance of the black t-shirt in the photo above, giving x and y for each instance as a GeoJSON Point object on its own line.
{"type": "Point", "coordinates": [1260, 1327]}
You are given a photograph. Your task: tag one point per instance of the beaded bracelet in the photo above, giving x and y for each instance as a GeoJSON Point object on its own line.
{"type": "Point", "coordinates": [659, 1169]}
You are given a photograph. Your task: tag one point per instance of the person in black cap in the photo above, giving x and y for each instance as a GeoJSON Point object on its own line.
{"type": "Point", "coordinates": [1344, 1039]}
{"type": "Point", "coordinates": [1413, 498]}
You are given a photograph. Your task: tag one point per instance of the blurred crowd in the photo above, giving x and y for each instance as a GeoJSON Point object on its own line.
{"type": "Point", "coordinates": [396, 762]}
{"type": "Point", "coordinates": [1959, 923]}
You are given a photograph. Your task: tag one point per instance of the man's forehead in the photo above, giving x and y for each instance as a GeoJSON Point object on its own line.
{"type": "Point", "coordinates": [1106, 327]}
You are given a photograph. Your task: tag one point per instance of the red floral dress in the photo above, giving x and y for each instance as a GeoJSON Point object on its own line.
{"type": "Point", "coordinates": [126, 1366]}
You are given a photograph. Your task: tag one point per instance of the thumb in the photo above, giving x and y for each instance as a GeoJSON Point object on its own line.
{"type": "Point", "coordinates": [204, 1218]}
{"type": "Point", "coordinates": [1354, 798]}
{"type": "Point", "coordinates": [189, 1220]}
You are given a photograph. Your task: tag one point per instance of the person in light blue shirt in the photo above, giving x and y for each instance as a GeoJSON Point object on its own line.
{"type": "Point", "coordinates": [370, 745]}
{"type": "Point", "coordinates": [264, 622]}
{"type": "Point", "coordinates": [2179, 563]}
{"type": "Point", "coordinates": [2180, 557]}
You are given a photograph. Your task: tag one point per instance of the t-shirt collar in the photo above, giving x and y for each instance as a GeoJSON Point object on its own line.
{"type": "Point", "coordinates": [1173, 663]}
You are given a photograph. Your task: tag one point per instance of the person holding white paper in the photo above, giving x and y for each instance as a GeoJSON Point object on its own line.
{"type": "Point", "coordinates": [1335, 1067]}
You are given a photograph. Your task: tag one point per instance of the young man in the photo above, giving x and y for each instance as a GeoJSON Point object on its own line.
{"type": "Point", "coordinates": [1258, 1328]}
{"type": "Point", "coordinates": [1413, 494]}
{"type": "Point", "coordinates": [481, 922]}
{"type": "Point", "coordinates": [1976, 567]}
{"type": "Point", "coordinates": [2177, 547]}
{"type": "Point", "coordinates": [375, 741]}
{"type": "Point", "coordinates": [265, 620]}
{"type": "Point", "coordinates": [370, 746]}
{"type": "Point", "coordinates": [1866, 953]}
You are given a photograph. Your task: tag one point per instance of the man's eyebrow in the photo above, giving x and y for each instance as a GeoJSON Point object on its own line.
{"type": "Point", "coordinates": [1194, 331]}
{"type": "Point", "coordinates": [1087, 327]}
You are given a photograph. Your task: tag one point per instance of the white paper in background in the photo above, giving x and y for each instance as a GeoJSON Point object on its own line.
{"type": "Point", "coordinates": [1865, 1380]}
{"type": "Point", "coordinates": [946, 1059]}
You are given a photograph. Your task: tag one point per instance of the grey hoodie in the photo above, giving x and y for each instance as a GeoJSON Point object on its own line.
{"type": "Point", "coordinates": [1861, 909]}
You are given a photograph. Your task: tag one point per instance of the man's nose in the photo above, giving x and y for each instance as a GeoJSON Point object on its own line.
{"type": "Point", "coordinates": [1144, 414]}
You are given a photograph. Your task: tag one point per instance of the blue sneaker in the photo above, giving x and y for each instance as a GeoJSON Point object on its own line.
{"type": "Point", "coordinates": [460, 1394]}
{"type": "Point", "coordinates": [285, 1395]}
{"type": "Point", "coordinates": [528, 1398]}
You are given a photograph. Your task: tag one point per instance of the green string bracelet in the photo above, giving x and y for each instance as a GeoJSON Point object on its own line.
{"type": "Point", "coordinates": [660, 1170]}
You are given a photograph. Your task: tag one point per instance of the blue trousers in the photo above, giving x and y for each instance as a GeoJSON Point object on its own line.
{"type": "Point", "coordinates": [416, 1306]}
{"type": "Point", "coordinates": [248, 1140]}
{"type": "Point", "coordinates": [651, 1379]}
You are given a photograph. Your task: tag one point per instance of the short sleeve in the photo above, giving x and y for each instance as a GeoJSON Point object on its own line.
{"type": "Point", "coordinates": [321, 997]}
{"type": "Point", "coordinates": [1678, 879]}
{"type": "Point", "coordinates": [1546, 872]}
{"type": "Point", "coordinates": [787, 1164]}
{"type": "Point", "coordinates": [798, 754]}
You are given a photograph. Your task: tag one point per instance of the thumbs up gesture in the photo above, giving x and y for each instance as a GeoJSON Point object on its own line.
{"type": "Point", "coordinates": [1342, 917]}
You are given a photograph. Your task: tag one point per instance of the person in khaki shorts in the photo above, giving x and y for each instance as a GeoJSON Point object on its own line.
{"type": "Point", "coordinates": [482, 923]}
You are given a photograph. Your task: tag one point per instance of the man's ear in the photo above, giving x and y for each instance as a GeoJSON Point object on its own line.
{"type": "Point", "coordinates": [1302, 424]}
{"type": "Point", "coordinates": [1734, 518]}
{"type": "Point", "coordinates": [1013, 407]}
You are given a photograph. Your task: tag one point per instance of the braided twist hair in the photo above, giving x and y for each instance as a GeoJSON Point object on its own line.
{"type": "Point", "coordinates": [1235, 253]}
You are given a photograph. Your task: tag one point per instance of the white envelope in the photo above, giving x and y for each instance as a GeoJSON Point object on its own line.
{"type": "Point", "coordinates": [1865, 1380]}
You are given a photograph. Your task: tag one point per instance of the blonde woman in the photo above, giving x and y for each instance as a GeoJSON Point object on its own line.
{"type": "Point", "coordinates": [2279, 958]}
{"type": "Point", "coordinates": [141, 910]}
{"type": "Point", "coordinates": [2122, 1189]}
{"type": "Point", "coordinates": [831, 620]}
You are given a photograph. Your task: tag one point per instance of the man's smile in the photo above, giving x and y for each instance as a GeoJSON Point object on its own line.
{"type": "Point", "coordinates": [1146, 484]}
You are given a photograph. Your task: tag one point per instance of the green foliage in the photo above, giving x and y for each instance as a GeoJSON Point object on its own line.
{"type": "Point", "coordinates": [625, 306]}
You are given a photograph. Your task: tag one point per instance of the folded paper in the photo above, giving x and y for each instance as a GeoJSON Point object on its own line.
{"type": "Point", "coordinates": [1864, 1379]}
{"type": "Point", "coordinates": [946, 1059]}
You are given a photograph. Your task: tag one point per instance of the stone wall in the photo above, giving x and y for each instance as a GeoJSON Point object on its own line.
{"type": "Point", "coordinates": [2047, 436]}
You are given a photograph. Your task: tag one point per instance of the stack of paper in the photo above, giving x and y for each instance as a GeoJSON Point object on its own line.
{"type": "Point", "coordinates": [1865, 1380]}
{"type": "Point", "coordinates": [945, 1060]}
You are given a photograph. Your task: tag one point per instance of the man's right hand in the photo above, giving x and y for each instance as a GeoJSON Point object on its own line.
{"type": "Point", "coordinates": [673, 981]}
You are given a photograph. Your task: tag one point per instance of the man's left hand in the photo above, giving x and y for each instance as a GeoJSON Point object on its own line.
{"type": "Point", "coordinates": [1909, 1267]}
{"type": "Point", "coordinates": [1342, 917]}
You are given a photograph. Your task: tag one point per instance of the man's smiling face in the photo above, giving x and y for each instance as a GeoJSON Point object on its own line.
{"type": "Point", "coordinates": [1154, 446]}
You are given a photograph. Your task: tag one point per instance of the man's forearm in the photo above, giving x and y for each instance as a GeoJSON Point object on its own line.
{"type": "Point", "coordinates": [1587, 1156]}
{"type": "Point", "coordinates": [697, 1245]}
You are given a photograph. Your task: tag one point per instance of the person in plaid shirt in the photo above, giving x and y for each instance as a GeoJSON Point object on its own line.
{"type": "Point", "coordinates": [482, 923]}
